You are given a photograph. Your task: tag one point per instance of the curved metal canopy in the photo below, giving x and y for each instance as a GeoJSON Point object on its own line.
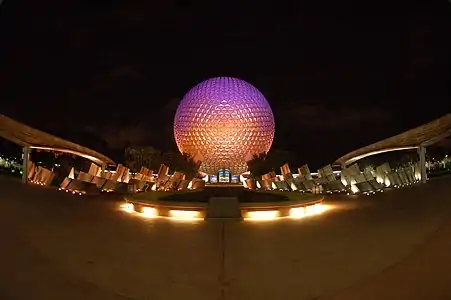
{"type": "Point", "coordinates": [27, 136]}
{"type": "Point", "coordinates": [422, 136]}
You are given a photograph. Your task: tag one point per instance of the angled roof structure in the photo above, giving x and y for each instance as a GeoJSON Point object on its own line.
{"type": "Point", "coordinates": [24, 135]}
{"type": "Point", "coordinates": [424, 135]}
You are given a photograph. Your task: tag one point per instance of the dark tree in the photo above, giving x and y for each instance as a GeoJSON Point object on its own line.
{"type": "Point", "coordinates": [137, 157]}
{"type": "Point", "coordinates": [46, 159]}
{"type": "Point", "coordinates": [277, 158]}
{"type": "Point", "coordinates": [183, 162]}
{"type": "Point", "coordinates": [259, 165]}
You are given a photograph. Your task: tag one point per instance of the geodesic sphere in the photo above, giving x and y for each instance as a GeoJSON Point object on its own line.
{"type": "Point", "coordinates": [224, 120]}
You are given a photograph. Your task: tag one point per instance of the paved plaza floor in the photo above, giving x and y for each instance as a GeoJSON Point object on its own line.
{"type": "Point", "coordinates": [394, 245]}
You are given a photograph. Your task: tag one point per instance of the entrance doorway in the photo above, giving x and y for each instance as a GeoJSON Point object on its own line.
{"type": "Point", "coordinates": [224, 176]}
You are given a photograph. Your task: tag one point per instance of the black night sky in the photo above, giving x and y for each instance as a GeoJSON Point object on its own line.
{"type": "Point", "coordinates": [338, 75]}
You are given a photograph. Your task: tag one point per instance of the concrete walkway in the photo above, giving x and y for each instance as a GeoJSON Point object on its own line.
{"type": "Point", "coordinates": [390, 246]}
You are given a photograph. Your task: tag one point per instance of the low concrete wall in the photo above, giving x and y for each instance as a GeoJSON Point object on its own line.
{"type": "Point", "coordinates": [221, 207]}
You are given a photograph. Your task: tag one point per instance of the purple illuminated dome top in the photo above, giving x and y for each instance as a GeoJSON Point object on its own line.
{"type": "Point", "coordinates": [224, 120]}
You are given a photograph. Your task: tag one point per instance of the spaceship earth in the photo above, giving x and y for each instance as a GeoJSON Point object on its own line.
{"type": "Point", "coordinates": [224, 120]}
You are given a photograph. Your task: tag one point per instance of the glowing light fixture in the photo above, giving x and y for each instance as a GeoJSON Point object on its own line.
{"type": "Point", "coordinates": [149, 212]}
{"type": "Point", "coordinates": [387, 182]}
{"type": "Point", "coordinates": [258, 185]}
{"type": "Point", "coordinates": [263, 215]}
{"type": "Point", "coordinates": [354, 189]}
{"type": "Point", "coordinates": [297, 212]}
{"type": "Point", "coordinates": [184, 214]}
{"type": "Point", "coordinates": [303, 211]}
{"type": "Point", "coordinates": [128, 207]}
{"type": "Point", "coordinates": [190, 185]}
{"type": "Point", "coordinates": [318, 208]}
{"type": "Point", "coordinates": [310, 209]}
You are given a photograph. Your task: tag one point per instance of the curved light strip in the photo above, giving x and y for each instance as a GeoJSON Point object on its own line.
{"type": "Point", "coordinates": [90, 157]}
{"type": "Point", "coordinates": [359, 157]}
